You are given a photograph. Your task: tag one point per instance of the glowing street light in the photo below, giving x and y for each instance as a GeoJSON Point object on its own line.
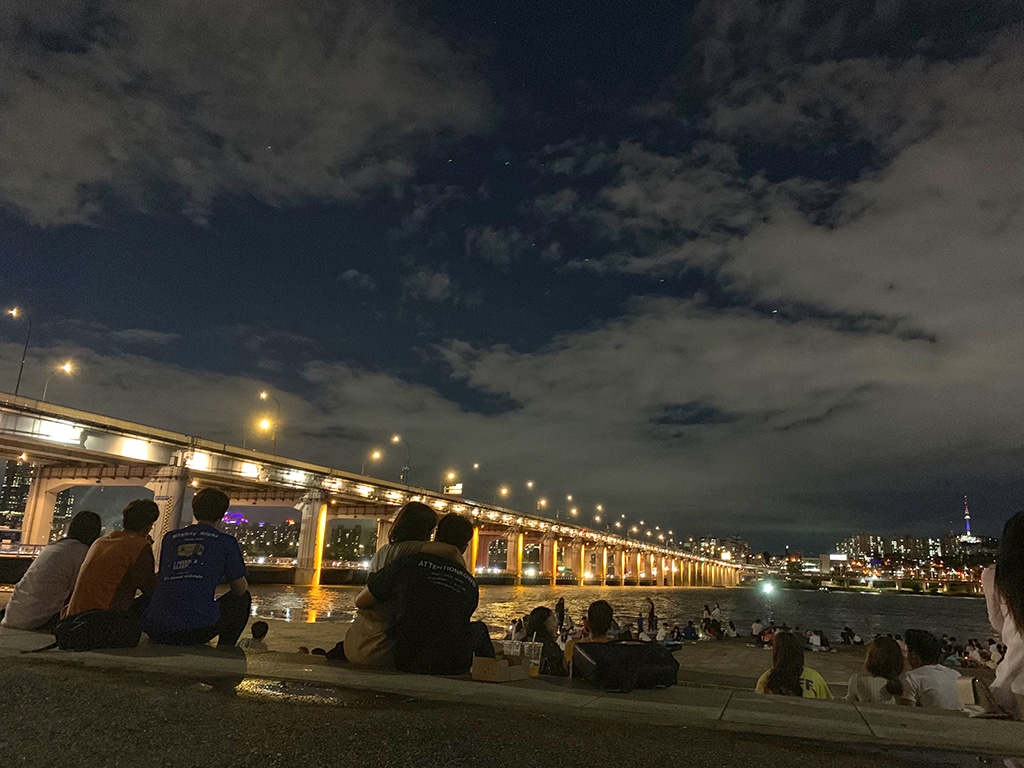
{"type": "Point", "coordinates": [447, 477]}
{"type": "Point", "coordinates": [374, 455]}
{"type": "Point", "coordinates": [15, 312]}
{"type": "Point", "coordinates": [67, 368]}
{"type": "Point", "coordinates": [503, 491]}
{"type": "Point", "coordinates": [405, 469]}
{"type": "Point", "coordinates": [541, 503]}
{"type": "Point", "coordinates": [264, 395]}
{"type": "Point", "coordinates": [529, 484]}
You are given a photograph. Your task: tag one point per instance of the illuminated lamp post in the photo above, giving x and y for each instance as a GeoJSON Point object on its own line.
{"type": "Point", "coordinates": [264, 395]}
{"type": "Point", "coordinates": [408, 451]}
{"type": "Point", "coordinates": [66, 368]}
{"type": "Point", "coordinates": [16, 313]}
{"type": "Point", "coordinates": [374, 455]}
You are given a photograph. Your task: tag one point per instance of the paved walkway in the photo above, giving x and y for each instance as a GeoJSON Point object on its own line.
{"type": "Point", "coordinates": [722, 709]}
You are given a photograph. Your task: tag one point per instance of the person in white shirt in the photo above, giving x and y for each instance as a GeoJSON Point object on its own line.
{"type": "Point", "coordinates": [49, 581]}
{"type": "Point", "coordinates": [1004, 599]}
{"type": "Point", "coordinates": [756, 629]}
{"type": "Point", "coordinates": [928, 684]}
{"type": "Point", "coordinates": [881, 684]}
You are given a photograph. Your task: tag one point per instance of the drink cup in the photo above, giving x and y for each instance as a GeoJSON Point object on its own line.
{"type": "Point", "coordinates": [533, 651]}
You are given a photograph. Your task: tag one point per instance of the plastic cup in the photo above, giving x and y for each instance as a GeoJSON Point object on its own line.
{"type": "Point", "coordinates": [533, 652]}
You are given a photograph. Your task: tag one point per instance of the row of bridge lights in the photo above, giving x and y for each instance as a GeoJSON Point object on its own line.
{"type": "Point", "coordinates": [271, 426]}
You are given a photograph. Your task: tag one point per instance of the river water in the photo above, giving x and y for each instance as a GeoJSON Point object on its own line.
{"type": "Point", "coordinates": [868, 614]}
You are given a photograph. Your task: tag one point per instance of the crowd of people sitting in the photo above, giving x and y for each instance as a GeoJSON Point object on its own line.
{"type": "Point", "coordinates": [96, 592]}
{"type": "Point", "coordinates": [415, 582]}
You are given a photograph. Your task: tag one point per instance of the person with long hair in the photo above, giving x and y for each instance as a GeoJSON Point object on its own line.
{"type": "Point", "coordinates": [48, 583]}
{"type": "Point", "coordinates": [883, 665]}
{"type": "Point", "coordinates": [1004, 598]}
{"type": "Point", "coordinates": [366, 642]}
{"type": "Point", "coordinates": [542, 627]}
{"type": "Point", "coordinates": [788, 676]}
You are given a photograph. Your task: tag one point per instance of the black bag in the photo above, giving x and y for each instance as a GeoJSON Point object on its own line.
{"type": "Point", "coordinates": [97, 629]}
{"type": "Point", "coordinates": [622, 667]}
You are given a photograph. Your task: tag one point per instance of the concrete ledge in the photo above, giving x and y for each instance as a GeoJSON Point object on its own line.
{"type": "Point", "coordinates": [834, 721]}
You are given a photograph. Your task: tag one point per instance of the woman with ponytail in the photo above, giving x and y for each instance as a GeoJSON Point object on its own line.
{"type": "Point", "coordinates": [881, 684]}
{"type": "Point", "coordinates": [788, 675]}
{"type": "Point", "coordinates": [1004, 598]}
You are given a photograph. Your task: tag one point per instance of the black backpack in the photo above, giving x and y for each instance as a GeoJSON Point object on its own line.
{"type": "Point", "coordinates": [621, 667]}
{"type": "Point", "coordinates": [97, 629]}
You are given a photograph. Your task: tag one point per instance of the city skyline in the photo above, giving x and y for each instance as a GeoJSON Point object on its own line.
{"type": "Point", "coordinates": [742, 266]}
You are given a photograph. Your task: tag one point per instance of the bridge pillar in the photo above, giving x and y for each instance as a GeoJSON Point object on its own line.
{"type": "Point", "coordinates": [38, 519]}
{"type": "Point", "coordinates": [312, 530]}
{"type": "Point", "coordinates": [514, 562]}
{"type": "Point", "coordinates": [169, 486]}
{"type": "Point", "coordinates": [553, 563]}
{"type": "Point", "coordinates": [474, 549]}
{"type": "Point", "coordinates": [383, 531]}
{"type": "Point", "coordinates": [637, 564]}
{"type": "Point", "coordinates": [604, 566]}
{"type": "Point", "coordinates": [665, 573]}
{"type": "Point", "coordinates": [581, 564]}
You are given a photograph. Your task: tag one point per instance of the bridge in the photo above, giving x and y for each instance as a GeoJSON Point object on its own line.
{"type": "Point", "coordinates": [71, 448]}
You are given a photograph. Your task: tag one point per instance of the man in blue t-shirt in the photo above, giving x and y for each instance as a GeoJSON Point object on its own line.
{"type": "Point", "coordinates": [193, 562]}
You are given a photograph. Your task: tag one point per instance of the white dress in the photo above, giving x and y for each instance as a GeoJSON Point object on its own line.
{"type": "Point", "coordinates": [1009, 682]}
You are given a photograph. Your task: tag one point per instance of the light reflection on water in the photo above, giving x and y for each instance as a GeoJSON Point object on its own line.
{"type": "Point", "coordinates": [963, 617]}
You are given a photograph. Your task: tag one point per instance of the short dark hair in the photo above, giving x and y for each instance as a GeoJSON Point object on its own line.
{"type": "Point", "coordinates": [924, 644]}
{"type": "Point", "coordinates": [259, 629]}
{"type": "Point", "coordinates": [599, 614]}
{"type": "Point", "coordinates": [455, 530]}
{"type": "Point", "coordinates": [85, 527]}
{"type": "Point", "coordinates": [414, 522]}
{"type": "Point", "coordinates": [139, 515]}
{"type": "Point", "coordinates": [210, 504]}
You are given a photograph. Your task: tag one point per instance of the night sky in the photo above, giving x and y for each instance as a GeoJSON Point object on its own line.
{"type": "Point", "coordinates": [730, 267]}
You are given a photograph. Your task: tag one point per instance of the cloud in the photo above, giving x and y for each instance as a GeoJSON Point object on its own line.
{"type": "Point", "coordinates": [282, 101]}
{"type": "Point", "coordinates": [358, 280]}
{"type": "Point", "coordinates": [497, 246]}
{"type": "Point", "coordinates": [429, 285]}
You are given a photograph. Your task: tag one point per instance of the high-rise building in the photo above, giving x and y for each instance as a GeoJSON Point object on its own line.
{"type": "Point", "coordinates": [14, 492]}
{"type": "Point", "coordinates": [63, 510]}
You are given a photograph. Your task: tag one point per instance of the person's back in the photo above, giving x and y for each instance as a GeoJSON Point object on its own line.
{"type": "Point", "coordinates": [689, 631]}
{"type": "Point", "coordinates": [193, 562]}
{"type": "Point", "coordinates": [256, 642]}
{"type": "Point", "coordinates": [432, 600]}
{"type": "Point", "coordinates": [118, 565]}
{"type": "Point", "coordinates": [49, 581]}
{"type": "Point", "coordinates": [928, 684]}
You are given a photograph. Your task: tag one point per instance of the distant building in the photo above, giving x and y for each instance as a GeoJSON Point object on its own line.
{"type": "Point", "coordinates": [14, 492]}
{"type": "Point", "coordinates": [63, 511]}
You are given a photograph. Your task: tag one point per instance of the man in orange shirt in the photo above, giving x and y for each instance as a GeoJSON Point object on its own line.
{"type": "Point", "coordinates": [119, 564]}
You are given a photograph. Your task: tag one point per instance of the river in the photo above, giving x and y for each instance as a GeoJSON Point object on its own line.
{"type": "Point", "coordinates": [866, 613]}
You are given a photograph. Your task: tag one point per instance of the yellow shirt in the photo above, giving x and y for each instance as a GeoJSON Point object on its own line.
{"type": "Point", "coordinates": [811, 683]}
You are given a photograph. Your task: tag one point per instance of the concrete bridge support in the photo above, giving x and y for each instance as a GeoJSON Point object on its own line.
{"type": "Point", "coordinates": [604, 566]}
{"type": "Point", "coordinates": [312, 530]}
{"type": "Point", "coordinates": [514, 563]}
{"type": "Point", "coordinates": [169, 486]}
{"type": "Point", "coordinates": [42, 498]}
{"type": "Point", "coordinates": [581, 564]}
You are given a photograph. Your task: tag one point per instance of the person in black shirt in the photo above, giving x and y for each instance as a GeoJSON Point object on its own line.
{"type": "Point", "coordinates": [433, 599]}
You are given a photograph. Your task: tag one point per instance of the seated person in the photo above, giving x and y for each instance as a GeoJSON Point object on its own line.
{"type": "Point", "coordinates": [927, 683]}
{"type": "Point", "coordinates": [542, 627]}
{"type": "Point", "coordinates": [119, 565]}
{"type": "Point", "coordinates": [600, 620]}
{"type": "Point", "coordinates": [193, 562]}
{"type": "Point", "coordinates": [366, 641]}
{"type": "Point", "coordinates": [259, 631]}
{"type": "Point", "coordinates": [690, 631]}
{"type": "Point", "coordinates": [431, 600]}
{"type": "Point", "coordinates": [47, 584]}
{"type": "Point", "coordinates": [788, 676]}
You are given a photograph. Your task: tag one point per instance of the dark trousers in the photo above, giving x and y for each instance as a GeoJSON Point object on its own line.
{"type": "Point", "coordinates": [480, 640]}
{"type": "Point", "coordinates": [234, 615]}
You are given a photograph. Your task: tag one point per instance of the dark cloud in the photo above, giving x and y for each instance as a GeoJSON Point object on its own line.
{"type": "Point", "coordinates": [283, 101]}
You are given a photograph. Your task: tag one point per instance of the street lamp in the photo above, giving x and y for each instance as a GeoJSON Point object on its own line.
{"type": "Point", "coordinates": [503, 492]}
{"type": "Point", "coordinates": [264, 395]}
{"type": "Point", "coordinates": [66, 368]}
{"type": "Point", "coordinates": [541, 503]}
{"type": "Point", "coordinates": [16, 313]}
{"type": "Point", "coordinates": [448, 477]}
{"type": "Point", "coordinates": [405, 470]}
{"type": "Point", "coordinates": [374, 455]}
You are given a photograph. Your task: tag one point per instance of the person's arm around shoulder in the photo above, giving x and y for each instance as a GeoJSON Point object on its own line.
{"type": "Point", "coordinates": [909, 696]}
{"type": "Point", "coordinates": [447, 551]}
{"type": "Point", "coordinates": [380, 585]}
{"type": "Point", "coordinates": [365, 599]}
